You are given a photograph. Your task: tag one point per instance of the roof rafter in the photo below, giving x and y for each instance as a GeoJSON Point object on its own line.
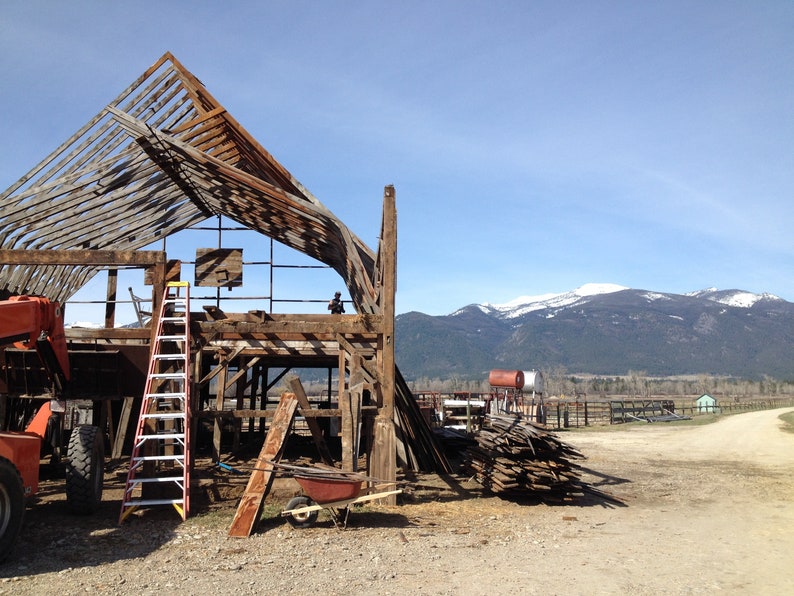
{"type": "Point", "coordinates": [165, 155]}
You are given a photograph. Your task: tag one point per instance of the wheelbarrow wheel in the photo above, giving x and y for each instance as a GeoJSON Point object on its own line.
{"type": "Point", "coordinates": [301, 520]}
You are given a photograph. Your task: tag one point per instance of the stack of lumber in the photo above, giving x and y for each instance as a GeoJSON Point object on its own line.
{"type": "Point", "coordinates": [516, 457]}
{"type": "Point", "coordinates": [417, 447]}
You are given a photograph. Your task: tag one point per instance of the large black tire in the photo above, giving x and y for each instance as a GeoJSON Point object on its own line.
{"type": "Point", "coordinates": [12, 506]}
{"type": "Point", "coordinates": [301, 520]}
{"type": "Point", "coordinates": [85, 469]}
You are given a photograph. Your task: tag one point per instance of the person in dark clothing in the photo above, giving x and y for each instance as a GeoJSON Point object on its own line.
{"type": "Point", "coordinates": [335, 304]}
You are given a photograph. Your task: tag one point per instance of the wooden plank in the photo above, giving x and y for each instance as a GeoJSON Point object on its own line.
{"type": "Point", "coordinates": [344, 324]}
{"type": "Point", "coordinates": [116, 333]}
{"type": "Point", "coordinates": [82, 257]}
{"type": "Point", "coordinates": [383, 460]}
{"type": "Point", "coordinates": [219, 267]}
{"type": "Point", "coordinates": [219, 399]}
{"type": "Point", "coordinates": [387, 298]}
{"type": "Point", "coordinates": [343, 399]}
{"type": "Point", "coordinates": [224, 360]}
{"type": "Point", "coordinates": [317, 433]}
{"type": "Point", "coordinates": [385, 447]}
{"type": "Point", "coordinates": [239, 405]}
{"type": "Point", "coordinates": [110, 305]}
{"type": "Point", "coordinates": [356, 393]}
{"type": "Point", "coordinates": [250, 507]}
{"type": "Point", "coordinates": [366, 411]}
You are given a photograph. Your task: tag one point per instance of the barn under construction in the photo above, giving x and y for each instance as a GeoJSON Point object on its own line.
{"type": "Point", "coordinates": [162, 158]}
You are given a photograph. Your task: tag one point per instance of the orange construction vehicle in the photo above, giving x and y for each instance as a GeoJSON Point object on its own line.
{"type": "Point", "coordinates": [37, 323]}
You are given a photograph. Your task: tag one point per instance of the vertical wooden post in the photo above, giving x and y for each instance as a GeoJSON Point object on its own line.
{"type": "Point", "coordinates": [343, 401]}
{"type": "Point", "coordinates": [110, 303]}
{"type": "Point", "coordinates": [256, 377]}
{"type": "Point", "coordinates": [383, 463]}
{"type": "Point", "coordinates": [196, 399]}
{"type": "Point", "coordinates": [263, 400]}
{"type": "Point", "coordinates": [351, 414]}
{"type": "Point", "coordinates": [240, 404]}
{"type": "Point", "coordinates": [219, 396]}
{"type": "Point", "coordinates": [158, 290]}
{"type": "Point", "coordinates": [124, 423]}
{"type": "Point", "coordinates": [387, 292]}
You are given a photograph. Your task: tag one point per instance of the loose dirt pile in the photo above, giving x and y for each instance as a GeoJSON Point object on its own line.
{"type": "Point", "coordinates": [700, 509]}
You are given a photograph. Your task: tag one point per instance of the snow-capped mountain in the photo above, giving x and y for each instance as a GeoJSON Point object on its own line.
{"type": "Point", "coordinates": [524, 304]}
{"type": "Point", "coordinates": [606, 329]}
{"type": "Point", "coordinates": [737, 298]}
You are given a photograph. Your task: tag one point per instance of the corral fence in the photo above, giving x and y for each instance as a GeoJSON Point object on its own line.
{"type": "Point", "coordinates": [562, 413]}
{"type": "Point", "coordinates": [467, 410]}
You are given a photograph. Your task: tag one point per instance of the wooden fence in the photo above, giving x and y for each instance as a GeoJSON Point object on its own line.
{"type": "Point", "coordinates": [561, 414]}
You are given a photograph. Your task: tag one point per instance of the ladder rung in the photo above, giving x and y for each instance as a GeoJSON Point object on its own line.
{"type": "Point", "coordinates": [170, 375]}
{"type": "Point", "coordinates": [179, 356]}
{"type": "Point", "coordinates": [165, 415]}
{"type": "Point", "coordinates": [165, 395]}
{"type": "Point", "coordinates": [143, 458]}
{"type": "Point", "coordinates": [171, 338]}
{"type": "Point", "coordinates": [144, 502]}
{"type": "Point", "coordinates": [179, 479]}
{"type": "Point", "coordinates": [161, 436]}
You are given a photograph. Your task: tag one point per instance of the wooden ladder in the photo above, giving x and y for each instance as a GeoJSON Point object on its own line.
{"type": "Point", "coordinates": [159, 471]}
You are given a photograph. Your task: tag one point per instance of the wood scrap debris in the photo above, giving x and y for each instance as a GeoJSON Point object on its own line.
{"type": "Point", "coordinates": [516, 457]}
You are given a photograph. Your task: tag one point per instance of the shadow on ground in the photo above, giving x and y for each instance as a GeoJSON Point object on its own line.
{"type": "Point", "coordinates": [54, 539]}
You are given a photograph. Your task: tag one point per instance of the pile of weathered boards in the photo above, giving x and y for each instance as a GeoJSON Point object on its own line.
{"type": "Point", "coordinates": [516, 457]}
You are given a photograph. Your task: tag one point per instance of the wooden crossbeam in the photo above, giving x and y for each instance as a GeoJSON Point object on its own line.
{"type": "Point", "coordinates": [140, 258]}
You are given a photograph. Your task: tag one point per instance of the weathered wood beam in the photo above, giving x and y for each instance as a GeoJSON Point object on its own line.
{"type": "Point", "coordinates": [383, 460]}
{"type": "Point", "coordinates": [117, 333]}
{"type": "Point", "coordinates": [110, 304]}
{"type": "Point", "coordinates": [241, 372]}
{"type": "Point", "coordinates": [219, 399]}
{"type": "Point", "coordinates": [370, 411]}
{"type": "Point", "coordinates": [387, 296]}
{"type": "Point", "coordinates": [317, 433]}
{"type": "Point", "coordinates": [347, 325]}
{"type": "Point", "coordinates": [250, 507]}
{"type": "Point", "coordinates": [368, 367]}
{"type": "Point", "coordinates": [224, 360]}
{"type": "Point", "coordinates": [133, 258]}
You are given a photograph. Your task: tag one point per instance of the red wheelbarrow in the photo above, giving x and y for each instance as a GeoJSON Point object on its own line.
{"type": "Point", "coordinates": [331, 493]}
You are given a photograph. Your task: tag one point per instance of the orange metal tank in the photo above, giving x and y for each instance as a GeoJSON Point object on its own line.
{"type": "Point", "coordinates": [506, 378]}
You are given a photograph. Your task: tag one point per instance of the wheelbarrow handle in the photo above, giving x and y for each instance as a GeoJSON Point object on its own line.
{"type": "Point", "coordinates": [343, 503]}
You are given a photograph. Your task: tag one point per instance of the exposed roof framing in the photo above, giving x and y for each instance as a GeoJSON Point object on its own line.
{"type": "Point", "coordinates": [163, 156]}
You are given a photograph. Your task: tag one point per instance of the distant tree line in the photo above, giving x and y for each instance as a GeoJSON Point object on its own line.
{"type": "Point", "coordinates": [634, 385]}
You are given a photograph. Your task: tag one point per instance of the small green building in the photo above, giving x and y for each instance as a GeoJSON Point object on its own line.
{"type": "Point", "coordinates": [706, 404]}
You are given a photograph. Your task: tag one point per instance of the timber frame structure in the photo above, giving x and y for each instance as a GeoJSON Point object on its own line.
{"type": "Point", "coordinates": [165, 156]}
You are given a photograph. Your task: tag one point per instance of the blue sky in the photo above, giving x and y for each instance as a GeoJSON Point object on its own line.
{"type": "Point", "coordinates": [534, 146]}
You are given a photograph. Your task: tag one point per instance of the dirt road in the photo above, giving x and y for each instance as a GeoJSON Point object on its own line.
{"type": "Point", "coordinates": [703, 509]}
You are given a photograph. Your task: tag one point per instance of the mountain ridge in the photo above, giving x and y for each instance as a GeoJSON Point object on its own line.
{"type": "Point", "coordinates": [605, 329]}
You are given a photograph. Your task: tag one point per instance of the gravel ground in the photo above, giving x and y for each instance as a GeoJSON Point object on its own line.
{"type": "Point", "coordinates": [699, 509]}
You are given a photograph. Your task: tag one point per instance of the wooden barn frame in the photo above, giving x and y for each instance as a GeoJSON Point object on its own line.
{"type": "Point", "coordinates": [165, 156]}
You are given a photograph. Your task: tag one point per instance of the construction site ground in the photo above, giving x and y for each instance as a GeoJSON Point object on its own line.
{"type": "Point", "coordinates": [697, 509]}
